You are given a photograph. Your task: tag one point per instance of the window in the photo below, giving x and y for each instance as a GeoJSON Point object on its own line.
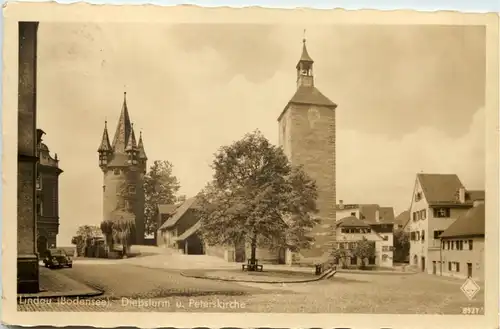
{"type": "Point", "coordinates": [385, 237]}
{"type": "Point", "coordinates": [414, 216]}
{"type": "Point", "coordinates": [371, 260]}
{"type": "Point", "coordinates": [442, 245]}
{"type": "Point", "coordinates": [104, 188]}
{"type": "Point", "coordinates": [116, 171]}
{"type": "Point", "coordinates": [461, 245]}
{"type": "Point", "coordinates": [353, 214]}
{"type": "Point", "coordinates": [131, 189]}
{"type": "Point", "coordinates": [39, 208]}
{"type": "Point", "coordinates": [336, 261]}
{"type": "Point", "coordinates": [385, 248]}
{"type": "Point", "coordinates": [39, 182]}
{"type": "Point", "coordinates": [457, 267]}
{"type": "Point", "coordinates": [470, 244]}
{"type": "Point", "coordinates": [418, 196]}
{"type": "Point", "coordinates": [448, 243]}
{"type": "Point", "coordinates": [352, 245]}
{"type": "Point", "coordinates": [437, 234]}
{"type": "Point", "coordinates": [423, 235]}
{"type": "Point", "coordinates": [442, 212]}
{"type": "Point", "coordinates": [424, 213]}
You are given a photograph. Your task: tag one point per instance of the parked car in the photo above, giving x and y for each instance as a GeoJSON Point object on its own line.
{"type": "Point", "coordinates": [57, 257]}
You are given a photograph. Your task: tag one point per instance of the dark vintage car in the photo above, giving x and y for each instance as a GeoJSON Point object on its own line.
{"type": "Point", "coordinates": [56, 257]}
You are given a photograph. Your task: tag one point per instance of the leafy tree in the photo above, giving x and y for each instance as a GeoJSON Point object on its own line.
{"type": "Point", "coordinates": [257, 196]}
{"type": "Point", "coordinates": [364, 249]}
{"type": "Point", "coordinates": [120, 227]}
{"type": "Point", "coordinates": [160, 187]}
{"type": "Point", "coordinates": [401, 245]}
{"type": "Point", "coordinates": [342, 254]}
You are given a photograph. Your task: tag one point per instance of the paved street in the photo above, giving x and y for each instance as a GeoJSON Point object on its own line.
{"type": "Point", "coordinates": [130, 287]}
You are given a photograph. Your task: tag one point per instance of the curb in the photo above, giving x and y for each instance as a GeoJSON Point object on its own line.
{"type": "Point", "coordinates": [56, 295]}
{"type": "Point", "coordinates": [377, 272]}
{"type": "Point", "coordinates": [322, 277]}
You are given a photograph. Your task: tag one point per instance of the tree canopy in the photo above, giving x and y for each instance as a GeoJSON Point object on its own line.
{"type": "Point", "coordinates": [257, 196]}
{"type": "Point", "coordinates": [160, 187]}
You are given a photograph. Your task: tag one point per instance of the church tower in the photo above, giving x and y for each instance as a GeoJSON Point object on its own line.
{"type": "Point", "coordinates": [123, 164]}
{"type": "Point", "coordinates": [307, 135]}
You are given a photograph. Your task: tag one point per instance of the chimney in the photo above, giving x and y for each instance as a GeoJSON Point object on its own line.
{"type": "Point", "coordinates": [341, 204]}
{"type": "Point", "coordinates": [461, 194]}
{"type": "Point", "coordinates": [377, 215]}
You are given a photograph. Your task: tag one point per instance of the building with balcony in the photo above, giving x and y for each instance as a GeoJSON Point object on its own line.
{"type": "Point", "coordinates": [437, 201]}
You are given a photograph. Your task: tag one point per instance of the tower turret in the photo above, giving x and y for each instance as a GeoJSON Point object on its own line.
{"type": "Point", "coordinates": [305, 77]}
{"type": "Point", "coordinates": [142, 153]}
{"type": "Point", "coordinates": [104, 149]}
{"type": "Point", "coordinates": [123, 169]}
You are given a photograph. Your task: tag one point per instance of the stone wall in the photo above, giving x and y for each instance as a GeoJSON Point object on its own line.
{"type": "Point", "coordinates": [312, 144]}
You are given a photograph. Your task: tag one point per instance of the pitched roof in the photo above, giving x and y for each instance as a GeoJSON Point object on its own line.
{"type": "Point", "coordinates": [179, 212]}
{"type": "Point", "coordinates": [472, 223]}
{"type": "Point", "coordinates": [167, 209]}
{"type": "Point", "coordinates": [386, 215]}
{"type": "Point", "coordinates": [310, 95]}
{"type": "Point", "coordinates": [351, 221]}
{"type": "Point", "coordinates": [190, 231]}
{"type": "Point", "coordinates": [105, 144]}
{"type": "Point", "coordinates": [140, 146]}
{"type": "Point", "coordinates": [402, 218]}
{"type": "Point", "coordinates": [443, 189]}
{"type": "Point", "coordinates": [123, 129]}
{"type": "Point", "coordinates": [304, 57]}
{"type": "Point", "coordinates": [131, 144]}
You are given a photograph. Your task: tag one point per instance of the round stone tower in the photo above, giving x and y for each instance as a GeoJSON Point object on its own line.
{"type": "Point", "coordinates": [123, 164]}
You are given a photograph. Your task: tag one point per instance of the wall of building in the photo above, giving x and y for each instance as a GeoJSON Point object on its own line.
{"type": "Point", "coordinates": [116, 194]}
{"type": "Point", "coordinates": [380, 260]}
{"type": "Point", "coordinates": [474, 257]}
{"type": "Point", "coordinates": [304, 130]}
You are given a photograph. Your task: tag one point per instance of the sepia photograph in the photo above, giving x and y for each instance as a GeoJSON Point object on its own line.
{"type": "Point", "coordinates": [253, 167]}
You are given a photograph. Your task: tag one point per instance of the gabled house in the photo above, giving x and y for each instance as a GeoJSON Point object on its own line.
{"type": "Point", "coordinates": [350, 230]}
{"type": "Point", "coordinates": [462, 246]}
{"type": "Point", "coordinates": [179, 226]}
{"type": "Point", "coordinates": [379, 219]}
{"type": "Point", "coordinates": [179, 230]}
{"type": "Point", "coordinates": [437, 201]}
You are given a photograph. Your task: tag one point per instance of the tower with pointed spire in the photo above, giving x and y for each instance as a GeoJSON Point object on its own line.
{"type": "Point", "coordinates": [124, 164]}
{"type": "Point", "coordinates": [307, 135]}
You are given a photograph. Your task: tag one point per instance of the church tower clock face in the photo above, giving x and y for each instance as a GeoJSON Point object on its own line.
{"type": "Point", "coordinates": [313, 116]}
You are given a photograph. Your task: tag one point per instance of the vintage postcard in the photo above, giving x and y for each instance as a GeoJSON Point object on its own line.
{"type": "Point", "coordinates": [186, 167]}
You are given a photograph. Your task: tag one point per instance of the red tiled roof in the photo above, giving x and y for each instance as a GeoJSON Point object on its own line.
{"type": "Point", "coordinates": [471, 223]}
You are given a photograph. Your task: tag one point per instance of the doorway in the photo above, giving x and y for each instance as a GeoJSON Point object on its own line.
{"type": "Point", "coordinates": [434, 267]}
{"type": "Point", "coordinates": [469, 270]}
{"type": "Point", "coordinates": [41, 245]}
{"type": "Point", "coordinates": [423, 264]}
